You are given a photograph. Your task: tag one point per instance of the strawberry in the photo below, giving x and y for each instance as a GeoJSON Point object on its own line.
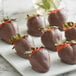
{"type": "Point", "coordinates": [34, 24]}
{"type": "Point", "coordinates": [51, 37]}
{"type": "Point", "coordinates": [70, 31]}
{"type": "Point", "coordinates": [8, 29]}
{"type": "Point", "coordinates": [57, 18]}
{"type": "Point", "coordinates": [22, 45]}
{"type": "Point", "coordinates": [67, 53]}
{"type": "Point", "coordinates": [40, 60]}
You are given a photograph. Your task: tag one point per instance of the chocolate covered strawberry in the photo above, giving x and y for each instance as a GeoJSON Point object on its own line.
{"type": "Point", "coordinates": [51, 37]}
{"type": "Point", "coordinates": [34, 24]}
{"type": "Point", "coordinates": [67, 52]}
{"type": "Point", "coordinates": [8, 29]}
{"type": "Point", "coordinates": [70, 31]}
{"type": "Point", "coordinates": [57, 18]}
{"type": "Point", "coordinates": [40, 60]}
{"type": "Point", "coordinates": [22, 45]}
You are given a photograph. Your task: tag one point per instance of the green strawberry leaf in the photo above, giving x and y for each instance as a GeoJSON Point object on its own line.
{"type": "Point", "coordinates": [49, 5]}
{"type": "Point", "coordinates": [45, 4]}
{"type": "Point", "coordinates": [68, 24]}
{"type": "Point", "coordinates": [41, 5]}
{"type": "Point", "coordinates": [17, 37]}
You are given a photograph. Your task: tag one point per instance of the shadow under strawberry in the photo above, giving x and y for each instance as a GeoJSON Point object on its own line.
{"type": "Point", "coordinates": [67, 52]}
{"type": "Point", "coordinates": [34, 24]}
{"type": "Point", "coordinates": [8, 29]}
{"type": "Point", "coordinates": [23, 45]}
{"type": "Point", "coordinates": [51, 37]}
{"type": "Point", "coordinates": [40, 60]}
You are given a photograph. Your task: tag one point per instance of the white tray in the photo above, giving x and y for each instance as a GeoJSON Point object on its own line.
{"type": "Point", "coordinates": [23, 66]}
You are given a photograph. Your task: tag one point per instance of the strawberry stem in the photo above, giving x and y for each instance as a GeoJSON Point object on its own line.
{"type": "Point", "coordinates": [54, 5]}
{"type": "Point", "coordinates": [50, 27]}
{"type": "Point", "coordinates": [7, 20]}
{"type": "Point", "coordinates": [45, 4]}
{"type": "Point", "coordinates": [66, 42]}
{"type": "Point", "coordinates": [28, 16]}
{"type": "Point", "coordinates": [16, 38]}
{"type": "Point", "coordinates": [36, 50]}
{"type": "Point", "coordinates": [68, 24]}
{"type": "Point", "coordinates": [34, 15]}
{"type": "Point", "coordinates": [42, 29]}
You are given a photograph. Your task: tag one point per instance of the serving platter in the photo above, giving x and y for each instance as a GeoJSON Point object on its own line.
{"type": "Point", "coordinates": [24, 68]}
{"type": "Point", "coordinates": [22, 65]}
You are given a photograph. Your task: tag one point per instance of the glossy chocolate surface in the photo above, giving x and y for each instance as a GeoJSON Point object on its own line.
{"type": "Point", "coordinates": [40, 61]}
{"type": "Point", "coordinates": [23, 45]}
{"type": "Point", "coordinates": [8, 31]}
{"type": "Point", "coordinates": [57, 19]}
{"type": "Point", "coordinates": [34, 24]}
{"type": "Point", "coordinates": [71, 34]}
{"type": "Point", "coordinates": [50, 38]}
{"type": "Point", "coordinates": [68, 55]}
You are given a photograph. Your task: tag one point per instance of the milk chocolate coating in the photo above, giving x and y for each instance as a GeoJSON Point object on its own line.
{"type": "Point", "coordinates": [23, 45]}
{"type": "Point", "coordinates": [68, 55]}
{"type": "Point", "coordinates": [40, 61]}
{"type": "Point", "coordinates": [34, 24]}
{"type": "Point", "coordinates": [50, 38]}
{"type": "Point", "coordinates": [71, 34]}
{"type": "Point", "coordinates": [57, 19]}
{"type": "Point", "coordinates": [8, 31]}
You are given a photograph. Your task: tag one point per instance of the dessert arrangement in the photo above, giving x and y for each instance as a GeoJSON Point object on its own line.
{"type": "Point", "coordinates": [59, 37]}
